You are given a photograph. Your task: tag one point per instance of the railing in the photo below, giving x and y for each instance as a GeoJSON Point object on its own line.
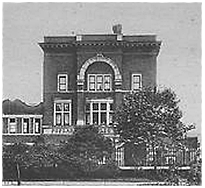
{"type": "Point", "coordinates": [107, 130]}
{"type": "Point", "coordinates": [63, 130]}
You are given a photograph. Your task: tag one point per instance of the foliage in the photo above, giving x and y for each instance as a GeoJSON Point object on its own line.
{"type": "Point", "coordinates": [150, 116]}
{"type": "Point", "coordinates": [82, 154]}
{"type": "Point", "coordinates": [195, 173]}
{"type": "Point", "coordinates": [108, 170]}
{"type": "Point", "coordinates": [14, 153]}
{"type": "Point", "coordinates": [86, 149]}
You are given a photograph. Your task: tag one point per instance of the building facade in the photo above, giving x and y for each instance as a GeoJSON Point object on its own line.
{"type": "Point", "coordinates": [86, 76]}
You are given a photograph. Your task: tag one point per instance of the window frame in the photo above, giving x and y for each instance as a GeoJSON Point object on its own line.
{"type": "Point", "coordinates": [96, 82]}
{"type": "Point", "coordinates": [62, 112]}
{"type": "Point", "coordinates": [132, 81]}
{"type": "Point", "coordinates": [21, 123]}
{"type": "Point", "coordinates": [109, 112]}
{"type": "Point", "coordinates": [59, 84]}
{"type": "Point", "coordinates": [13, 124]}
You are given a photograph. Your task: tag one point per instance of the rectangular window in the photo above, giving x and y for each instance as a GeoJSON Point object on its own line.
{"type": "Point", "coordinates": [26, 125]}
{"type": "Point", "coordinates": [62, 113]}
{"type": "Point", "coordinates": [62, 82]}
{"type": "Point", "coordinates": [99, 112]}
{"type": "Point", "coordinates": [12, 125]}
{"type": "Point", "coordinates": [107, 82]}
{"type": "Point", "coordinates": [99, 82]}
{"type": "Point", "coordinates": [120, 156]}
{"type": "Point", "coordinates": [136, 81]}
{"type": "Point", "coordinates": [91, 83]}
{"type": "Point", "coordinates": [23, 124]}
{"type": "Point", "coordinates": [37, 125]}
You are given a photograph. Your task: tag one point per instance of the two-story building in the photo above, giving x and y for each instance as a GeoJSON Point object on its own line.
{"type": "Point", "coordinates": [86, 76]}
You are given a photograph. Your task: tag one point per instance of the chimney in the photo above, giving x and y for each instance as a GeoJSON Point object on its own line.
{"type": "Point", "coordinates": [117, 29]}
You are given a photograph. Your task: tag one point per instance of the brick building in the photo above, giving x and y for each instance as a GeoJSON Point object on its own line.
{"type": "Point", "coordinates": [86, 76]}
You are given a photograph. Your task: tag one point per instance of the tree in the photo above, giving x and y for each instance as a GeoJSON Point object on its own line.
{"type": "Point", "coordinates": [86, 149]}
{"type": "Point", "coordinates": [21, 157]}
{"type": "Point", "coordinates": [14, 160]}
{"type": "Point", "coordinates": [151, 117]}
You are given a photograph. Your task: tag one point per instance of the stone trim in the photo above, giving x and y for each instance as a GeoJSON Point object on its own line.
{"type": "Point", "coordinates": [99, 58]}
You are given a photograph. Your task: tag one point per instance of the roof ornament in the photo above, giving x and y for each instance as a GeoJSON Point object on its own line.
{"type": "Point", "coordinates": [99, 55]}
{"type": "Point", "coordinates": [117, 29]}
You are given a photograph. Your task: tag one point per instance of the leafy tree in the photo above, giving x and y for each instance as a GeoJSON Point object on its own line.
{"type": "Point", "coordinates": [86, 149]}
{"type": "Point", "coordinates": [20, 157]}
{"type": "Point", "coordinates": [151, 117]}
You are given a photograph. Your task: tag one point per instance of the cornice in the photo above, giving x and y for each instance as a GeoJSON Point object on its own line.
{"type": "Point", "coordinates": [123, 44]}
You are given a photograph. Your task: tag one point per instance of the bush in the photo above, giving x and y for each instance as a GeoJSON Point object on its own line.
{"type": "Point", "coordinates": [109, 170]}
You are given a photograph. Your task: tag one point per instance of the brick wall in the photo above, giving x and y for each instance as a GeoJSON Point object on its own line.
{"type": "Point", "coordinates": [64, 59]}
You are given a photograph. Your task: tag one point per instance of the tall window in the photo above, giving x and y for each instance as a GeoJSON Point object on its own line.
{"type": "Point", "coordinates": [12, 125]}
{"type": "Point", "coordinates": [120, 156]}
{"type": "Point", "coordinates": [136, 81]}
{"type": "Point", "coordinates": [99, 82]}
{"type": "Point", "coordinates": [62, 112]}
{"type": "Point", "coordinates": [62, 82]}
{"type": "Point", "coordinates": [37, 125]}
{"type": "Point", "coordinates": [99, 112]}
{"type": "Point", "coordinates": [26, 125]}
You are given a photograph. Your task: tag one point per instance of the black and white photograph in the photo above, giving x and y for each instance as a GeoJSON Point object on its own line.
{"type": "Point", "coordinates": [101, 93]}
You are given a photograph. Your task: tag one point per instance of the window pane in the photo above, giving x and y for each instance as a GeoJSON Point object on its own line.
{"type": "Point", "coordinates": [95, 118]}
{"type": "Point", "coordinates": [95, 106]}
{"type": "Point", "coordinates": [136, 78]}
{"type": "Point", "coordinates": [111, 106]}
{"type": "Point", "coordinates": [99, 83]}
{"type": "Point", "coordinates": [92, 83]}
{"type": "Point", "coordinates": [12, 128]}
{"type": "Point", "coordinates": [107, 79]}
{"type": "Point", "coordinates": [26, 125]}
{"type": "Point", "coordinates": [103, 118]}
{"type": "Point", "coordinates": [62, 87]}
{"type": "Point", "coordinates": [92, 87]}
{"type": "Point", "coordinates": [12, 120]}
{"type": "Point", "coordinates": [107, 83]}
{"type": "Point", "coordinates": [110, 118]}
{"type": "Point", "coordinates": [103, 106]}
{"type": "Point", "coordinates": [58, 107]}
{"type": "Point", "coordinates": [66, 107]}
{"type": "Point", "coordinates": [58, 119]}
{"type": "Point", "coordinates": [136, 86]}
{"type": "Point", "coordinates": [99, 86]}
{"type": "Point", "coordinates": [87, 119]}
{"type": "Point", "coordinates": [37, 125]}
{"type": "Point", "coordinates": [99, 78]}
{"type": "Point", "coordinates": [87, 106]}
{"type": "Point", "coordinates": [62, 83]}
{"type": "Point", "coordinates": [91, 78]}
{"type": "Point", "coordinates": [107, 87]}
{"type": "Point", "coordinates": [62, 79]}
{"type": "Point", "coordinates": [66, 119]}
{"type": "Point", "coordinates": [12, 125]}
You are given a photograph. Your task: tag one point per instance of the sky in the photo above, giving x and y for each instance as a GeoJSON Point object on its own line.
{"type": "Point", "coordinates": [177, 25]}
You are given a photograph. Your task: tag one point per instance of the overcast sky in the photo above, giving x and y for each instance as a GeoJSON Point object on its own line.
{"type": "Point", "coordinates": [177, 25]}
